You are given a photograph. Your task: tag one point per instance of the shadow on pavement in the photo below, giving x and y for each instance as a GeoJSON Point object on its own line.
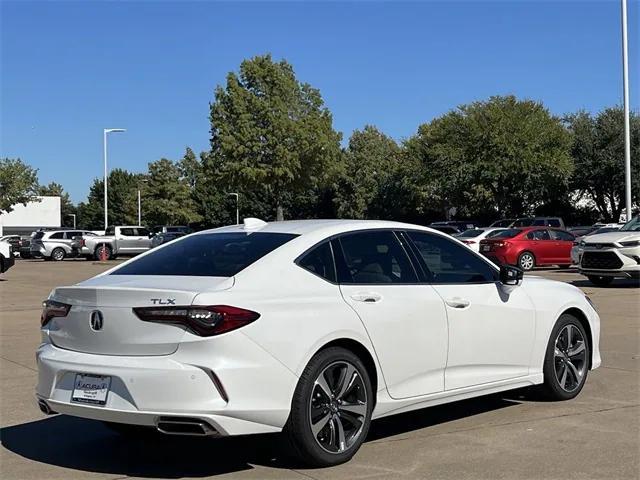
{"type": "Point", "coordinates": [617, 283]}
{"type": "Point", "coordinates": [89, 446]}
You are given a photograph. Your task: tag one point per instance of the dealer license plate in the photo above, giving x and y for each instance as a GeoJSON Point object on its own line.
{"type": "Point", "coordinates": [91, 389]}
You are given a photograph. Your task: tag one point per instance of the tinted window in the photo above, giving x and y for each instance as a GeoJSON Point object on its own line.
{"type": "Point", "coordinates": [470, 233]}
{"type": "Point", "coordinates": [70, 235]}
{"type": "Point", "coordinates": [562, 236]}
{"type": "Point", "coordinates": [632, 225]}
{"type": "Point", "coordinates": [554, 222]}
{"type": "Point", "coordinates": [375, 257]}
{"type": "Point", "coordinates": [509, 233]}
{"type": "Point", "coordinates": [110, 231]}
{"type": "Point", "coordinates": [523, 222]}
{"type": "Point", "coordinates": [208, 254]}
{"type": "Point", "coordinates": [38, 235]}
{"type": "Point", "coordinates": [127, 232]}
{"type": "Point", "coordinates": [494, 233]}
{"type": "Point", "coordinates": [538, 235]}
{"type": "Point", "coordinates": [142, 232]}
{"type": "Point", "coordinates": [57, 235]}
{"type": "Point", "coordinates": [320, 261]}
{"type": "Point", "coordinates": [448, 262]}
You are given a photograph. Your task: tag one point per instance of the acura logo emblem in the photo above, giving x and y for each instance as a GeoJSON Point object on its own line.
{"type": "Point", "coordinates": [97, 321]}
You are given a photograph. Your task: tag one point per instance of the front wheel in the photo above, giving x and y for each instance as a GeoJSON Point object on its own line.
{"type": "Point", "coordinates": [58, 254]}
{"type": "Point", "coordinates": [600, 281]}
{"type": "Point", "coordinates": [331, 408]}
{"type": "Point", "coordinates": [566, 362]}
{"type": "Point", "coordinates": [526, 261]}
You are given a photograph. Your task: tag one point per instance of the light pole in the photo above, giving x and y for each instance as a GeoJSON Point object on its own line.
{"type": "Point", "coordinates": [140, 204]}
{"type": "Point", "coordinates": [237, 195]}
{"type": "Point", "coordinates": [104, 144]}
{"type": "Point", "coordinates": [625, 89]}
{"type": "Point", "coordinates": [74, 219]}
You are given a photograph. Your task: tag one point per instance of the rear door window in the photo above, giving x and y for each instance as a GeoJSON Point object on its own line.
{"type": "Point", "coordinates": [375, 258]}
{"type": "Point", "coordinates": [538, 235]}
{"type": "Point", "coordinates": [142, 232]}
{"type": "Point", "coordinates": [553, 222]}
{"type": "Point", "coordinates": [127, 232]}
{"type": "Point", "coordinates": [562, 236]}
{"type": "Point", "coordinates": [57, 236]}
{"type": "Point", "coordinates": [207, 254]}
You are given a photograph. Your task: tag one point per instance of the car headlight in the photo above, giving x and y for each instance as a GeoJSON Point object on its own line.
{"type": "Point", "coordinates": [631, 243]}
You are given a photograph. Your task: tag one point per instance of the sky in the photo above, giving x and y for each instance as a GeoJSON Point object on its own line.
{"type": "Point", "coordinates": [71, 69]}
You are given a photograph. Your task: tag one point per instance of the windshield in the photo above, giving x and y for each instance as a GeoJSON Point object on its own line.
{"type": "Point", "coordinates": [509, 233]}
{"type": "Point", "coordinates": [632, 225]}
{"type": "Point", "coordinates": [471, 233]}
{"type": "Point", "coordinates": [207, 254]}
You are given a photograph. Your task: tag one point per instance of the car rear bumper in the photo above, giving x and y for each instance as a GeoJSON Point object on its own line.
{"type": "Point", "coordinates": [232, 396]}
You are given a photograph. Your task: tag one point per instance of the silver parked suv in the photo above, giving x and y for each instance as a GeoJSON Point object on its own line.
{"type": "Point", "coordinates": [55, 244]}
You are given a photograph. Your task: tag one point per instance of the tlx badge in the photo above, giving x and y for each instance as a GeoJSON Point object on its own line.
{"type": "Point", "coordinates": [160, 301]}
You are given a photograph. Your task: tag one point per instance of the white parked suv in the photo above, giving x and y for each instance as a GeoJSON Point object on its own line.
{"type": "Point", "coordinates": [606, 256]}
{"type": "Point", "coordinates": [6, 256]}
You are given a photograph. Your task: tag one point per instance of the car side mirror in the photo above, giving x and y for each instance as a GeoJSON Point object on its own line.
{"type": "Point", "coordinates": [510, 275]}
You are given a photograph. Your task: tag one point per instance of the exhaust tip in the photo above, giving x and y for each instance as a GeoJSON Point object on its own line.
{"type": "Point", "coordinates": [44, 408]}
{"type": "Point", "coordinates": [185, 426]}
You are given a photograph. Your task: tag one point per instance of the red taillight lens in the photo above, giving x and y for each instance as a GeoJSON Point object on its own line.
{"type": "Point", "coordinates": [205, 321]}
{"type": "Point", "coordinates": [51, 308]}
{"type": "Point", "coordinates": [82, 242]}
{"type": "Point", "coordinates": [501, 244]}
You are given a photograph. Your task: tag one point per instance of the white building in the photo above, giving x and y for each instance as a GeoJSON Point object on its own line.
{"type": "Point", "coordinates": [24, 219]}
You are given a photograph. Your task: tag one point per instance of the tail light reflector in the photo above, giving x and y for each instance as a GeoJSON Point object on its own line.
{"type": "Point", "coordinates": [205, 321]}
{"type": "Point", "coordinates": [51, 309]}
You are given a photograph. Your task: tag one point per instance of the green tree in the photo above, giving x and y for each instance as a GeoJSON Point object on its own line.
{"type": "Point", "coordinates": [598, 153]}
{"type": "Point", "coordinates": [501, 156]}
{"type": "Point", "coordinates": [271, 135]}
{"type": "Point", "coordinates": [18, 183]}
{"type": "Point", "coordinates": [67, 208]}
{"type": "Point", "coordinates": [122, 197]}
{"type": "Point", "coordinates": [370, 161]}
{"type": "Point", "coordinates": [167, 195]}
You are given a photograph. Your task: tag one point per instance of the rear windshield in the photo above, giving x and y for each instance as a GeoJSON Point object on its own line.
{"type": "Point", "coordinates": [38, 235]}
{"type": "Point", "coordinates": [207, 254]}
{"type": "Point", "coordinates": [474, 232]}
{"type": "Point", "coordinates": [509, 233]}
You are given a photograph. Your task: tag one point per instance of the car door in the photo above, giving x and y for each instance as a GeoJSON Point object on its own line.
{"type": "Point", "coordinates": [127, 240]}
{"type": "Point", "coordinates": [563, 242]}
{"type": "Point", "coordinates": [491, 328]}
{"type": "Point", "coordinates": [541, 245]}
{"type": "Point", "coordinates": [404, 319]}
{"type": "Point", "coordinates": [143, 239]}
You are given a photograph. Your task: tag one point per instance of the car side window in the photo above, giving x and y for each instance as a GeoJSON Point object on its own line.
{"type": "Point", "coordinates": [57, 236]}
{"type": "Point", "coordinates": [449, 262]}
{"type": "Point", "coordinates": [127, 232]}
{"type": "Point", "coordinates": [110, 231]}
{"type": "Point", "coordinates": [562, 236]}
{"type": "Point", "coordinates": [142, 232]}
{"type": "Point", "coordinates": [554, 222]}
{"type": "Point", "coordinates": [374, 257]}
{"type": "Point", "coordinates": [320, 261]}
{"type": "Point", "coordinates": [538, 235]}
{"type": "Point", "coordinates": [70, 235]}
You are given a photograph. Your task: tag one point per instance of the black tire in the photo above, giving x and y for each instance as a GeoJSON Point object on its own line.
{"type": "Point", "coordinates": [527, 261]}
{"type": "Point", "coordinates": [88, 257]}
{"type": "Point", "coordinates": [132, 431]}
{"type": "Point", "coordinates": [107, 248]}
{"type": "Point", "coordinates": [600, 281]}
{"type": "Point", "coordinates": [1, 264]}
{"type": "Point", "coordinates": [304, 444]}
{"type": "Point", "coordinates": [558, 385]}
{"type": "Point", "coordinates": [58, 254]}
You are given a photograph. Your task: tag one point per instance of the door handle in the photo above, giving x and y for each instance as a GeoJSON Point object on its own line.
{"type": "Point", "coordinates": [367, 297]}
{"type": "Point", "coordinates": [457, 302]}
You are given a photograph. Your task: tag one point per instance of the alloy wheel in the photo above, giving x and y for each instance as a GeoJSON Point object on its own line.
{"type": "Point", "coordinates": [526, 261]}
{"type": "Point", "coordinates": [570, 359]}
{"type": "Point", "coordinates": [58, 254]}
{"type": "Point", "coordinates": [338, 407]}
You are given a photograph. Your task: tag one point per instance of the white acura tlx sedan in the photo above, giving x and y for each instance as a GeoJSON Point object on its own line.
{"type": "Point", "coordinates": [312, 327]}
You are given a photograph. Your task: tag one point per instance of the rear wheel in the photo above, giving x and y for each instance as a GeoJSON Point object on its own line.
{"type": "Point", "coordinates": [103, 252]}
{"type": "Point", "coordinates": [566, 362]}
{"type": "Point", "coordinates": [526, 261]}
{"type": "Point", "coordinates": [58, 254]}
{"type": "Point", "coordinates": [599, 280]}
{"type": "Point", "coordinates": [331, 408]}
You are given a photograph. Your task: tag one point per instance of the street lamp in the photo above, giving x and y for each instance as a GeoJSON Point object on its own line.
{"type": "Point", "coordinates": [625, 93]}
{"type": "Point", "coordinates": [74, 219]}
{"type": "Point", "coordinates": [237, 195]}
{"type": "Point", "coordinates": [104, 143]}
{"type": "Point", "coordinates": [140, 204]}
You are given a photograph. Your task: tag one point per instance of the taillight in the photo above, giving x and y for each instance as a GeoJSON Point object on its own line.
{"type": "Point", "coordinates": [501, 244]}
{"type": "Point", "coordinates": [205, 321]}
{"type": "Point", "coordinates": [82, 242]}
{"type": "Point", "coordinates": [51, 308]}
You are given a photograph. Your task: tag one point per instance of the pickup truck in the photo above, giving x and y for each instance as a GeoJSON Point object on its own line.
{"type": "Point", "coordinates": [117, 240]}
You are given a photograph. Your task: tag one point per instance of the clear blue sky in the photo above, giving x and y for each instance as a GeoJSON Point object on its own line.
{"type": "Point", "coordinates": [71, 69]}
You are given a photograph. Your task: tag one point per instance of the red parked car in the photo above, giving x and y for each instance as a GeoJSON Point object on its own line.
{"type": "Point", "coordinates": [529, 247]}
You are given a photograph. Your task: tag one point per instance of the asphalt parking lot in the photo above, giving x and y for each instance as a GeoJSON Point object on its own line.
{"type": "Point", "coordinates": [510, 436]}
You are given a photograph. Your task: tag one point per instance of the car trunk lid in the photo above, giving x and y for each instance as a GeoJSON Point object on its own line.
{"type": "Point", "coordinates": [112, 299]}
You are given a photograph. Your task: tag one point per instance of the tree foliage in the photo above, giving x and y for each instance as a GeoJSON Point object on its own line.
{"type": "Point", "coordinates": [271, 134]}
{"type": "Point", "coordinates": [167, 196]}
{"type": "Point", "coordinates": [18, 183]}
{"type": "Point", "coordinates": [503, 155]}
{"type": "Point", "coordinates": [598, 152]}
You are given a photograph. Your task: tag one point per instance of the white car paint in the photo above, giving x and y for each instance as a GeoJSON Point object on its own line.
{"type": "Point", "coordinates": [474, 242]}
{"type": "Point", "coordinates": [430, 344]}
